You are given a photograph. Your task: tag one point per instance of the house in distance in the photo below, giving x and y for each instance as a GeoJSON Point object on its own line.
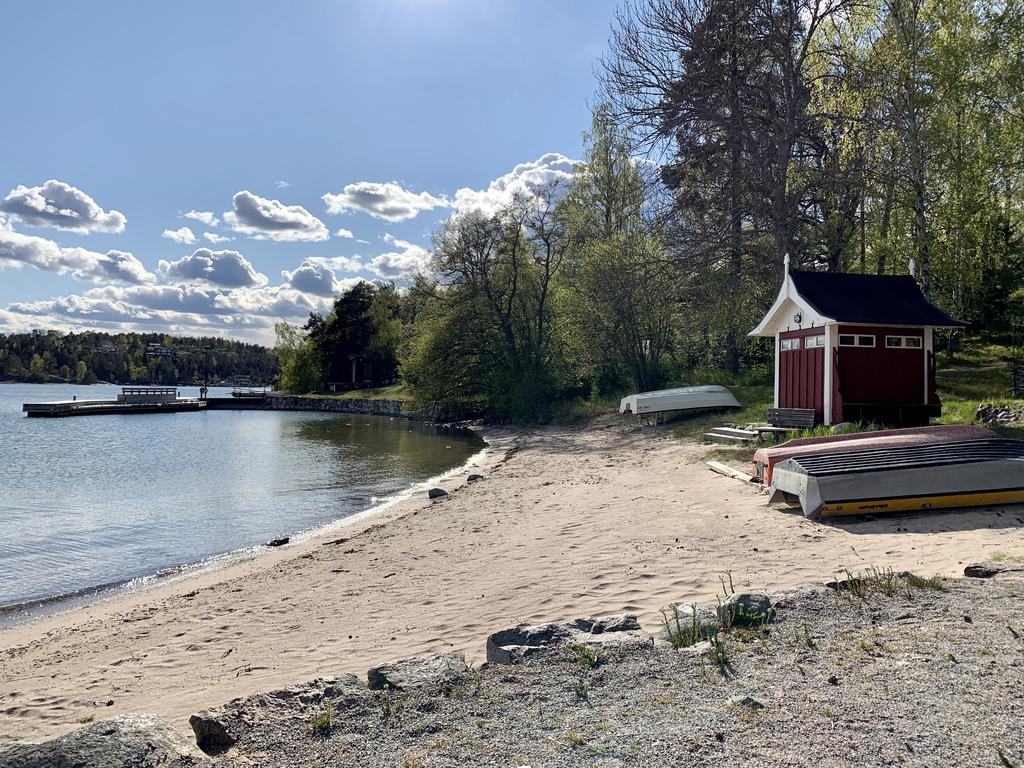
{"type": "Point", "coordinates": [853, 347]}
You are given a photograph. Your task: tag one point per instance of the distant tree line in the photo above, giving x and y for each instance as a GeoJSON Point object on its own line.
{"type": "Point", "coordinates": [89, 357]}
{"type": "Point", "coordinates": [852, 135]}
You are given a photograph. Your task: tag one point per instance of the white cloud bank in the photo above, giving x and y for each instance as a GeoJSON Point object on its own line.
{"type": "Point", "coordinates": [60, 205]}
{"type": "Point", "coordinates": [318, 277]}
{"type": "Point", "coordinates": [405, 260]}
{"type": "Point", "coordinates": [17, 249]}
{"type": "Point", "coordinates": [265, 219]}
{"type": "Point", "coordinates": [524, 179]}
{"type": "Point", "coordinates": [228, 269]}
{"type": "Point", "coordinates": [388, 201]}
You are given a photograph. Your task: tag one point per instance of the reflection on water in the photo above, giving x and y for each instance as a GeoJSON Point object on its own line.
{"type": "Point", "coordinates": [96, 500]}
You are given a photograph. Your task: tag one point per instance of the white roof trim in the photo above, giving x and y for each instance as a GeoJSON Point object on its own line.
{"type": "Point", "coordinates": [773, 321]}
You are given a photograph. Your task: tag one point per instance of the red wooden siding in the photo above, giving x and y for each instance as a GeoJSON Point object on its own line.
{"type": "Point", "coordinates": [880, 375]}
{"type": "Point", "coordinates": [802, 374]}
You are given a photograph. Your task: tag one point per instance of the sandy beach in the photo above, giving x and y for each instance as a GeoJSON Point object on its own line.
{"type": "Point", "coordinates": [567, 522]}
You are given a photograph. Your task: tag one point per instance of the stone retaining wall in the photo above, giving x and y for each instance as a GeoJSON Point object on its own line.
{"type": "Point", "coordinates": [393, 408]}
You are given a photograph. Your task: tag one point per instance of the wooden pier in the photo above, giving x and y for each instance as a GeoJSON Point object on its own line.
{"type": "Point", "coordinates": [131, 400]}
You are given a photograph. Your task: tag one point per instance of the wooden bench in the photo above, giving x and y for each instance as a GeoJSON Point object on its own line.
{"type": "Point", "coordinates": [798, 418]}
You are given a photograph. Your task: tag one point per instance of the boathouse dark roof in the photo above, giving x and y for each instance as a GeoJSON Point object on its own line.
{"type": "Point", "coordinates": [870, 299]}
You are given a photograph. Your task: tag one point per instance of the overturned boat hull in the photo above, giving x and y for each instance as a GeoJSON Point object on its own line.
{"type": "Point", "coordinates": [766, 458]}
{"type": "Point", "coordinates": [919, 477]}
{"type": "Point", "coordinates": [707, 397]}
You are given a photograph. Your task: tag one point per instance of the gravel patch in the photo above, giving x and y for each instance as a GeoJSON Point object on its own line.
{"type": "Point", "coordinates": [882, 672]}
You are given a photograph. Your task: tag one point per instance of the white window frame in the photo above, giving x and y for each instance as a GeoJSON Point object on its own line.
{"type": "Point", "coordinates": [857, 339]}
{"type": "Point", "coordinates": [814, 342]}
{"type": "Point", "coordinates": [915, 342]}
{"type": "Point", "coordinates": [790, 345]}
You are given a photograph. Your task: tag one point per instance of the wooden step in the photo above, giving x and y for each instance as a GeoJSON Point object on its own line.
{"type": "Point", "coordinates": [714, 437]}
{"type": "Point", "coordinates": [774, 430]}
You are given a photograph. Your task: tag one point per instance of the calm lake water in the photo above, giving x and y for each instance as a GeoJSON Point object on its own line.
{"type": "Point", "coordinates": [97, 501]}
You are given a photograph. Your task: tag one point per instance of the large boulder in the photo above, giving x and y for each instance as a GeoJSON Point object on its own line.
{"type": "Point", "coordinates": [510, 645]}
{"type": "Point", "coordinates": [436, 670]}
{"type": "Point", "coordinates": [619, 631]}
{"type": "Point", "coordinates": [127, 741]}
{"type": "Point", "coordinates": [219, 728]}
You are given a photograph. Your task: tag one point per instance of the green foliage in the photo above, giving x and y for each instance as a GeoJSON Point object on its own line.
{"type": "Point", "coordinates": [582, 655]}
{"type": "Point", "coordinates": [88, 357]}
{"type": "Point", "coordinates": [853, 137]}
{"type": "Point", "coordinates": [358, 341]}
{"type": "Point", "coordinates": [322, 722]}
{"type": "Point", "coordinates": [300, 365]}
{"type": "Point", "coordinates": [682, 629]}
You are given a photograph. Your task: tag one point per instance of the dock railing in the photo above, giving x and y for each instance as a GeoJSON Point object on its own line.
{"type": "Point", "coordinates": [148, 395]}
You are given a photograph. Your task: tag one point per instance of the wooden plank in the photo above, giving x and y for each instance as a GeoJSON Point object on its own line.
{"type": "Point", "coordinates": [734, 432]}
{"type": "Point", "coordinates": [725, 469]}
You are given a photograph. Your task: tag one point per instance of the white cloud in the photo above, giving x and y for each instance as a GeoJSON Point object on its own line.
{"type": "Point", "coordinates": [17, 249]}
{"type": "Point", "coordinates": [408, 258]}
{"type": "Point", "coordinates": [524, 179]}
{"type": "Point", "coordinates": [204, 217]}
{"type": "Point", "coordinates": [387, 201]}
{"type": "Point", "coordinates": [228, 269]}
{"type": "Point", "coordinates": [263, 219]}
{"type": "Point", "coordinates": [213, 237]}
{"type": "Point", "coordinates": [316, 276]}
{"type": "Point", "coordinates": [282, 184]}
{"type": "Point", "coordinates": [182, 235]}
{"type": "Point", "coordinates": [58, 204]}
{"type": "Point", "coordinates": [346, 233]}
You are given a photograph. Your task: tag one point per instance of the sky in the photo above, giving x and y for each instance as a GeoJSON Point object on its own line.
{"type": "Point", "coordinates": [210, 168]}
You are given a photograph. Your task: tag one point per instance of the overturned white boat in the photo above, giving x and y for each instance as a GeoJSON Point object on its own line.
{"type": "Point", "coordinates": [707, 397]}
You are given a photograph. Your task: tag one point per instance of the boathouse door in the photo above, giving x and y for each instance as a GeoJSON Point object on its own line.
{"type": "Point", "coordinates": [802, 370]}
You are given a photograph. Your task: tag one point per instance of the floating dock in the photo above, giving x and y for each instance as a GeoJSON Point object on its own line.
{"type": "Point", "coordinates": [131, 400]}
{"type": "Point", "coordinates": [968, 473]}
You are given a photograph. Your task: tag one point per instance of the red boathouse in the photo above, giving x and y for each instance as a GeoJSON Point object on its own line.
{"type": "Point", "coordinates": [855, 347]}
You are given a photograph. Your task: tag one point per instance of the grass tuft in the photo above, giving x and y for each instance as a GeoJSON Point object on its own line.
{"type": "Point", "coordinates": [322, 722]}
{"type": "Point", "coordinates": [682, 631]}
{"type": "Point", "coordinates": [582, 655]}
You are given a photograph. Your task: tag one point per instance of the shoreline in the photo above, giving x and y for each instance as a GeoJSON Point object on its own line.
{"type": "Point", "coordinates": [566, 522]}
{"type": "Point", "coordinates": [37, 609]}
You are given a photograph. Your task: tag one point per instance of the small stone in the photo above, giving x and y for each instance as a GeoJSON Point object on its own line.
{"type": "Point", "coordinates": [745, 701]}
{"type": "Point", "coordinates": [745, 608]}
{"type": "Point", "coordinates": [278, 542]}
{"type": "Point", "coordinates": [980, 571]}
{"type": "Point", "coordinates": [474, 478]}
{"type": "Point", "coordinates": [436, 493]}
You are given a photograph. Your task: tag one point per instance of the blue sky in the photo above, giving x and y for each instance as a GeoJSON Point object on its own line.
{"type": "Point", "coordinates": [296, 119]}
